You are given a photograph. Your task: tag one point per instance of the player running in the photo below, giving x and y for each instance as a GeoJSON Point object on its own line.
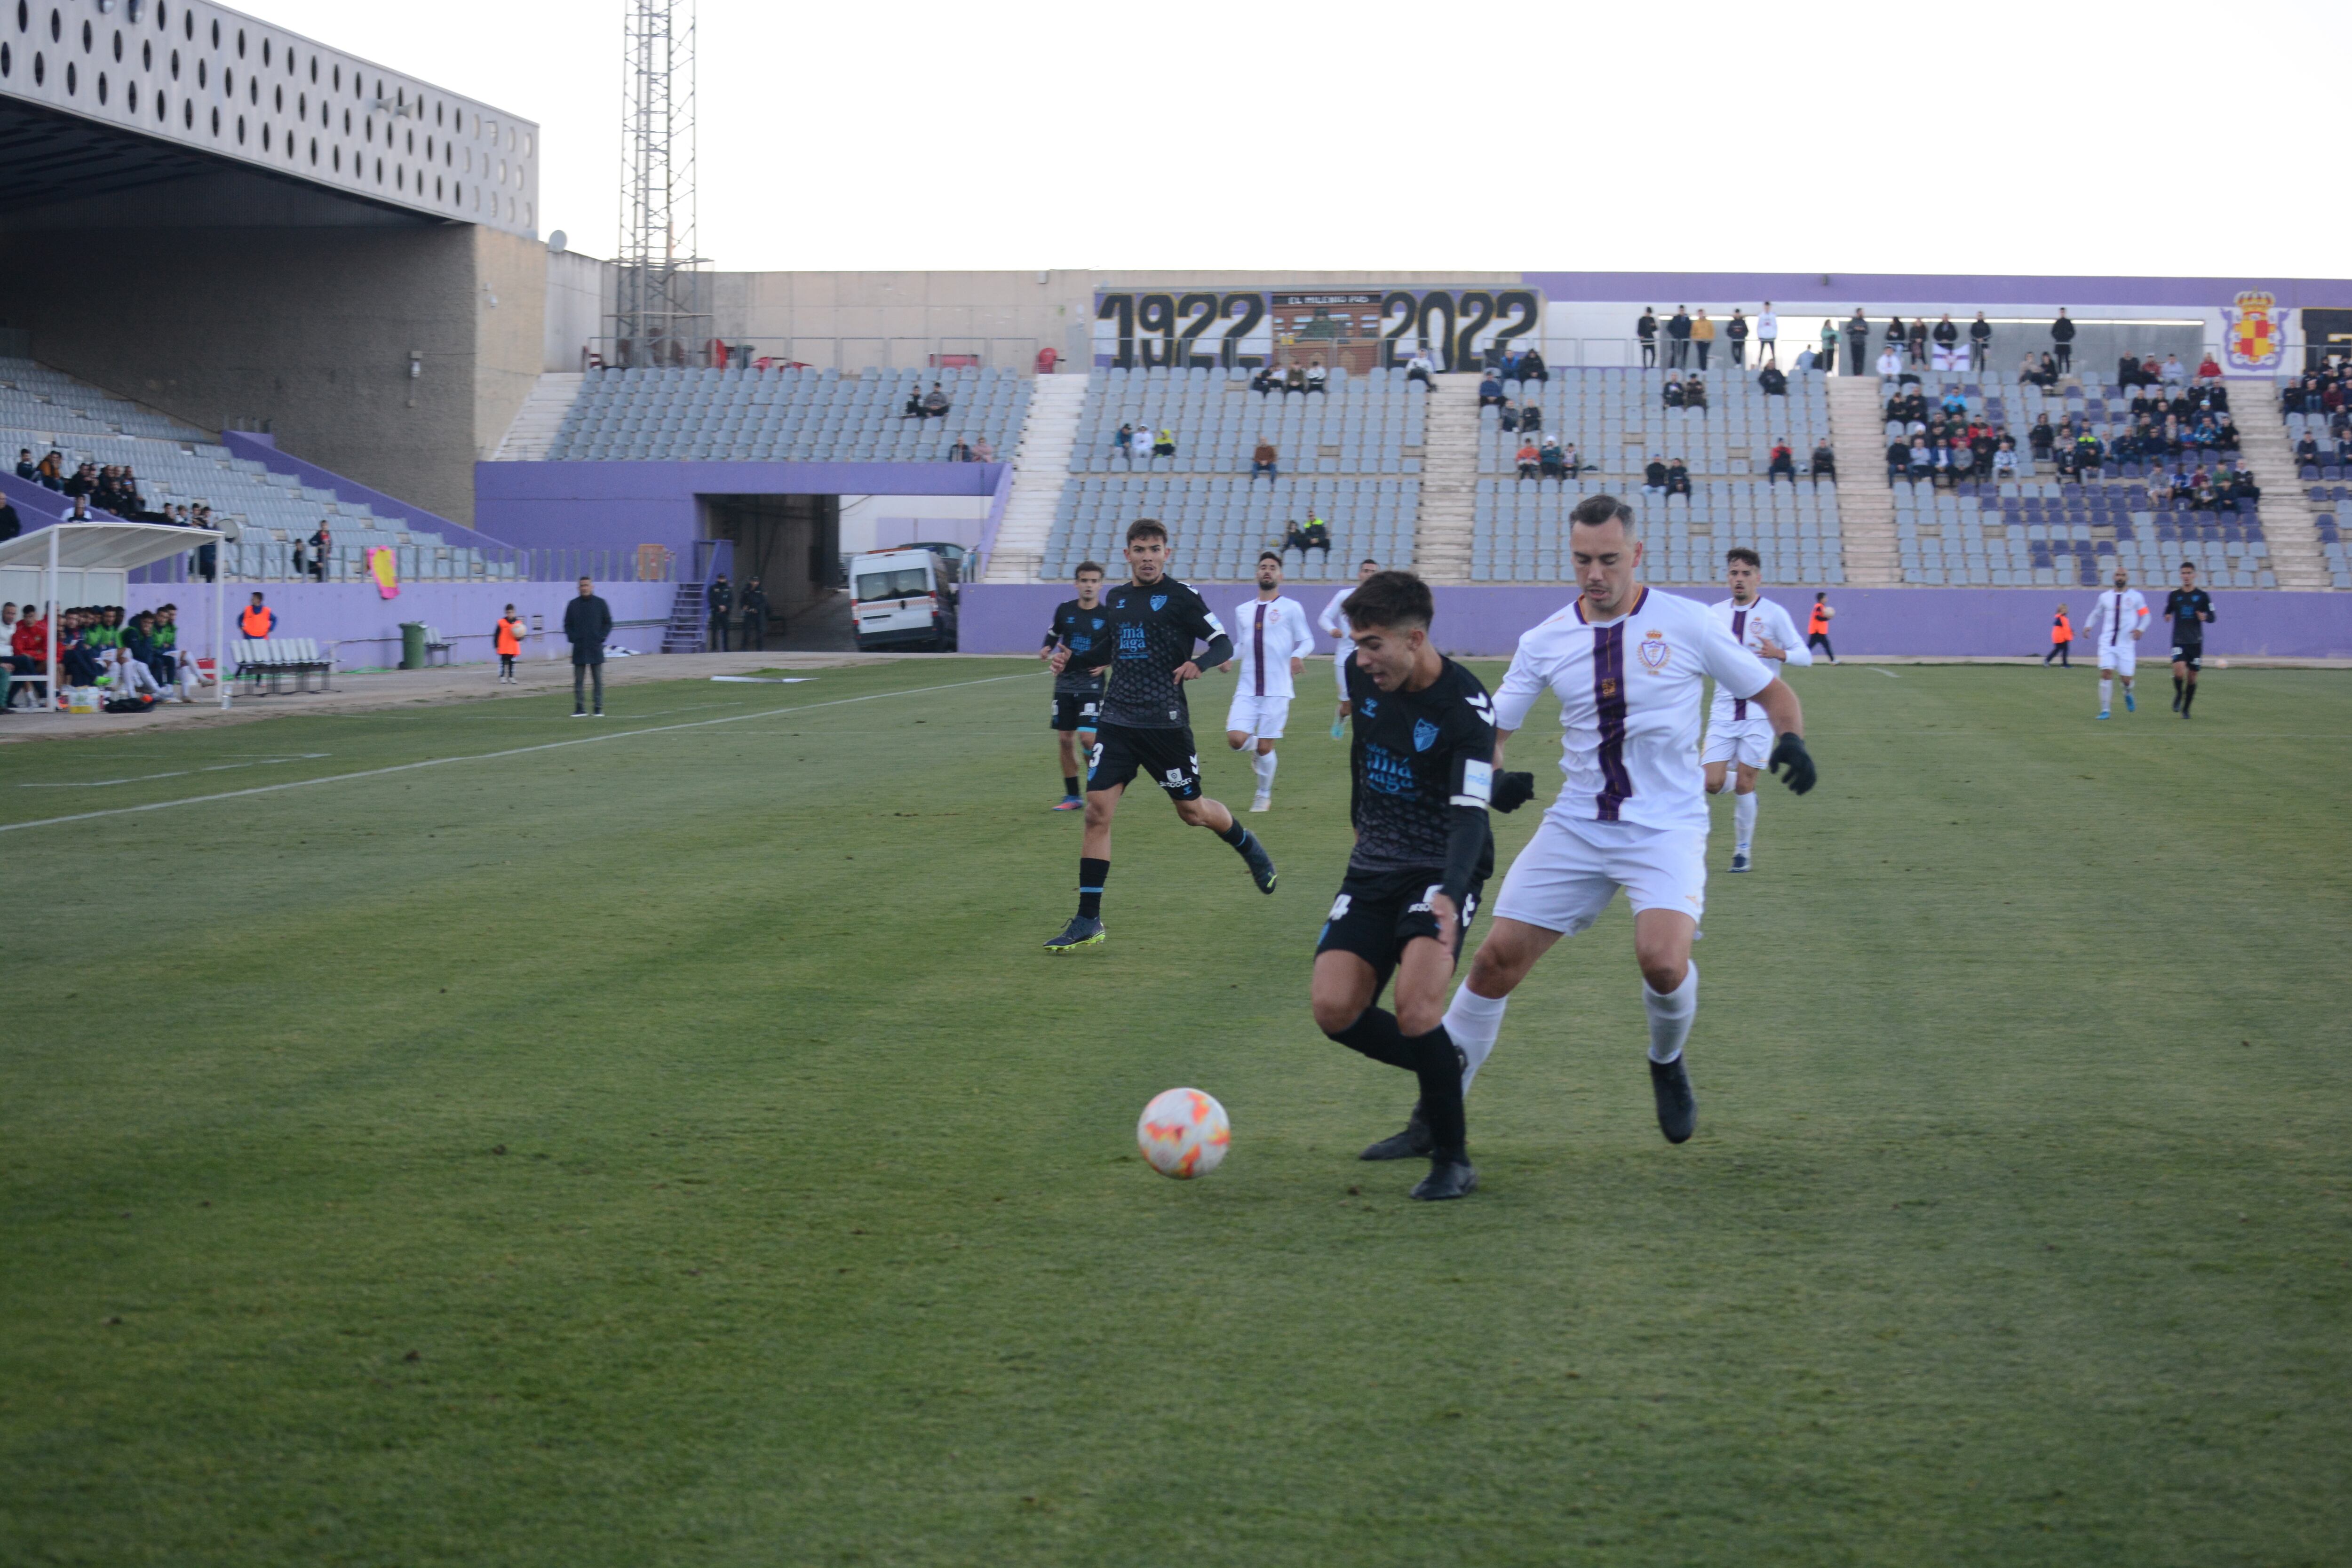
{"type": "Point", "coordinates": [2117, 618]}
{"type": "Point", "coordinates": [1817, 626]}
{"type": "Point", "coordinates": [1738, 736]}
{"type": "Point", "coordinates": [2190, 610]}
{"type": "Point", "coordinates": [1336, 630]}
{"type": "Point", "coordinates": [1146, 724]}
{"type": "Point", "coordinates": [1271, 640]}
{"type": "Point", "coordinates": [1626, 663]}
{"type": "Point", "coordinates": [1077, 693]}
{"type": "Point", "coordinates": [1421, 764]}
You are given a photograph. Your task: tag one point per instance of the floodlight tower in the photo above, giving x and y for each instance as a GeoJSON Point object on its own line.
{"type": "Point", "coordinates": [662, 309]}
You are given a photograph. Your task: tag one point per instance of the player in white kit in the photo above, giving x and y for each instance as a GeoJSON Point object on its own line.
{"type": "Point", "coordinates": [1628, 665]}
{"type": "Point", "coordinates": [1271, 642]}
{"type": "Point", "coordinates": [1738, 736]}
{"type": "Point", "coordinates": [1335, 626]}
{"type": "Point", "coordinates": [2117, 618]}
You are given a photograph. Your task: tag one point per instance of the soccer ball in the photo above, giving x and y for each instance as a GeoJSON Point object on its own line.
{"type": "Point", "coordinates": [1183, 1133]}
{"type": "Point", "coordinates": [2221, 664]}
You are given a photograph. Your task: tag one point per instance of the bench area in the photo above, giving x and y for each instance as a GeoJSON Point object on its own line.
{"type": "Point", "coordinates": [275, 659]}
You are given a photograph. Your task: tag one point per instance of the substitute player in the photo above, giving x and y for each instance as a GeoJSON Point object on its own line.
{"type": "Point", "coordinates": [1738, 737]}
{"type": "Point", "coordinates": [2190, 610]}
{"type": "Point", "coordinates": [1145, 726]}
{"type": "Point", "coordinates": [1335, 628]}
{"type": "Point", "coordinates": [1627, 664]}
{"type": "Point", "coordinates": [1271, 641]}
{"type": "Point", "coordinates": [1077, 693]}
{"type": "Point", "coordinates": [1422, 770]}
{"type": "Point", "coordinates": [2117, 618]}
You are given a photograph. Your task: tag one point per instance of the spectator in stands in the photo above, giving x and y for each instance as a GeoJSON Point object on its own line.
{"type": "Point", "coordinates": [2209, 368]}
{"type": "Point", "coordinates": [1266, 380]}
{"type": "Point", "coordinates": [721, 598]}
{"type": "Point", "coordinates": [1857, 341]}
{"type": "Point", "coordinates": [1532, 416]}
{"type": "Point", "coordinates": [2004, 459]}
{"type": "Point", "coordinates": [2173, 373]}
{"type": "Point", "coordinates": [1506, 415]}
{"type": "Point", "coordinates": [2306, 453]}
{"type": "Point", "coordinates": [935, 403]}
{"type": "Point", "coordinates": [755, 618]}
{"type": "Point", "coordinates": [587, 622]}
{"type": "Point", "coordinates": [2062, 340]}
{"type": "Point", "coordinates": [1981, 342]}
{"type": "Point", "coordinates": [1770, 382]}
{"type": "Point", "coordinates": [1963, 461]}
{"type": "Point", "coordinates": [983, 451]}
{"type": "Point", "coordinates": [1947, 337]}
{"type": "Point", "coordinates": [1314, 535]}
{"type": "Point", "coordinates": [1824, 464]}
{"type": "Point", "coordinates": [1119, 441]}
{"type": "Point", "coordinates": [1490, 391]}
{"type": "Point", "coordinates": [83, 480]}
{"type": "Point", "coordinates": [1679, 336]}
{"type": "Point", "coordinates": [1553, 461]}
{"type": "Point", "coordinates": [1702, 333]}
{"type": "Point", "coordinates": [1653, 476]}
{"type": "Point", "coordinates": [1694, 393]}
{"type": "Point", "coordinates": [1646, 331]}
{"type": "Point", "coordinates": [1898, 336]}
{"type": "Point", "coordinates": [1164, 443]}
{"type": "Point", "coordinates": [25, 468]}
{"type": "Point", "coordinates": [1677, 477]}
{"type": "Point", "coordinates": [1826, 357]}
{"type": "Point", "coordinates": [1890, 361]}
{"type": "Point", "coordinates": [322, 551]}
{"type": "Point", "coordinates": [1293, 380]}
{"type": "Point", "coordinates": [960, 452]}
{"type": "Point", "coordinates": [81, 512]}
{"type": "Point", "coordinates": [1531, 366]}
{"type": "Point", "coordinates": [1421, 368]}
{"type": "Point", "coordinates": [1262, 461]}
{"type": "Point", "coordinates": [51, 470]}
{"type": "Point", "coordinates": [914, 407]}
{"type": "Point", "coordinates": [1917, 345]}
{"type": "Point", "coordinates": [2042, 437]}
{"type": "Point", "coordinates": [1919, 463]}
{"type": "Point", "coordinates": [1317, 378]}
{"type": "Point", "coordinates": [1784, 462]}
{"type": "Point", "coordinates": [28, 645]}
{"type": "Point", "coordinates": [1531, 458]}
{"type": "Point", "coordinates": [1671, 395]}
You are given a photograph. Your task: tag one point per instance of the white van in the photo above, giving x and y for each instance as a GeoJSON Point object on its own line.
{"type": "Point", "coordinates": [902, 599]}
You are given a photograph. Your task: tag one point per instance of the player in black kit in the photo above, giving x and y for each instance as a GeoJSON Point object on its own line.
{"type": "Point", "coordinates": [2190, 609]}
{"type": "Point", "coordinates": [1077, 693]}
{"type": "Point", "coordinates": [1423, 760]}
{"type": "Point", "coordinates": [1145, 726]}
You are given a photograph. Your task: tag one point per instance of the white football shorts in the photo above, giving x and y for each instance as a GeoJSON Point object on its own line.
{"type": "Point", "coordinates": [1570, 870]}
{"type": "Point", "coordinates": [2122, 657]}
{"type": "Point", "coordinates": [1742, 741]}
{"type": "Point", "coordinates": [1260, 716]}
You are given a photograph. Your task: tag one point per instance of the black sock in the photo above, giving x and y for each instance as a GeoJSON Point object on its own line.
{"type": "Point", "coordinates": [2176, 689]}
{"type": "Point", "coordinates": [1092, 875]}
{"type": "Point", "coordinates": [1375, 1033]}
{"type": "Point", "coordinates": [2188, 696]}
{"type": "Point", "coordinates": [1438, 1062]}
{"type": "Point", "coordinates": [1069, 783]}
{"type": "Point", "coordinates": [1237, 836]}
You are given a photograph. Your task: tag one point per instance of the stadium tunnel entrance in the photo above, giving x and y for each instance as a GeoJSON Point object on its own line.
{"type": "Point", "coordinates": [792, 544]}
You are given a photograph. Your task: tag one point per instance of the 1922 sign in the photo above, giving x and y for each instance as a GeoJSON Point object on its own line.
{"type": "Point", "coordinates": [1241, 329]}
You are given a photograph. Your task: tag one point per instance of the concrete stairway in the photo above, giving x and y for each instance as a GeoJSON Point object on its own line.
{"type": "Point", "coordinates": [1039, 467]}
{"type": "Point", "coordinates": [2286, 511]}
{"type": "Point", "coordinates": [1865, 506]}
{"type": "Point", "coordinates": [534, 430]}
{"type": "Point", "coordinates": [1449, 481]}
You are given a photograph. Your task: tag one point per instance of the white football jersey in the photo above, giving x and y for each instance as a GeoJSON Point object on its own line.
{"type": "Point", "coordinates": [2118, 614]}
{"type": "Point", "coordinates": [1267, 635]}
{"type": "Point", "coordinates": [1334, 624]}
{"type": "Point", "coordinates": [1749, 625]}
{"type": "Point", "coordinates": [1629, 704]}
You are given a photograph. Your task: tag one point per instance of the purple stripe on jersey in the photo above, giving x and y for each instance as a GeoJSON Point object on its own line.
{"type": "Point", "coordinates": [1739, 636]}
{"type": "Point", "coordinates": [1609, 697]}
{"type": "Point", "coordinates": [1257, 648]}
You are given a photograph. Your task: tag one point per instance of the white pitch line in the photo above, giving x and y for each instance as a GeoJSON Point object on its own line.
{"type": "Point", "coordinates": [1888, 673]}
{"type": "Point", "coordinates": [491, 756]}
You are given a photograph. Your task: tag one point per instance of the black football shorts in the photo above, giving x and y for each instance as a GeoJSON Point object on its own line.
{"type": "Point", "coordinates": [1075, 710]}
{"type": "Point", "coordinates": [2191, 653]}
{"type": "Point", "coordinates": [1378, 912]}
{"type": "Point", "coordinates": [1165, 757]}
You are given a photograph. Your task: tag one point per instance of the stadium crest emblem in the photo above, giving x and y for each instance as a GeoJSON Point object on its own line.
{"type": "Point", "coordinates": [1654, 651]}
{"type": "Point", "coordinates": [2256, 331]}
{"type": "Point", "coordinates": [1159, 601]}
{"type": "Point", "coordinates": [1424, 734]}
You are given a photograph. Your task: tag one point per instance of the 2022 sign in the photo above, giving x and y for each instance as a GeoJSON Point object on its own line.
{"type": "Point", "coordinates": [1355, 328]}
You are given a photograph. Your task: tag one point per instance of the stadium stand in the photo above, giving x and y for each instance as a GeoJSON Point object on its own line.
{"type": "Point", "coordinates": [1618, 419]}
{"type": "Point", "coordinates": [1219, 524]}
{"type": "Point", "coordinates": [748, 415]}
{"type": "Point", "coordinates": [1521, 530]}
{"type": "Point", "coordinates": [1368, 424]}
{"type": "Point", "coordinates": [177, 466]}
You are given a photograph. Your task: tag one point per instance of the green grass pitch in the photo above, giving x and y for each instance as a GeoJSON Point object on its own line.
{"type": "Point", "coordinates": [676, 1149]}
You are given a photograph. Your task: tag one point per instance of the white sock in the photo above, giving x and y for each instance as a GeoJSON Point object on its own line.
{"type": "Point", "coordinates": [2107, 690]}
{"type": "Point", "coordinates": [1472, 1022]}
{"type": "Point", "coordinates": [1671, 1016]}
{"type": "Point", "coordinates": [1743, 821]}
{"type": "Point", "coordinates": [1263, 767]}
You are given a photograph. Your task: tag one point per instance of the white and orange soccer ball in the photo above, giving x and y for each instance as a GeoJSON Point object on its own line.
{"type": "Point", "coordinates": [1183, 1133]}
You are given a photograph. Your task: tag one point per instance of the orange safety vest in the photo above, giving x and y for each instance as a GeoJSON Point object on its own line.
{"type": "Point", "coordinates": [2063, 631]}
{"type": "Point", "coordinates": [255, 620]}
{"type": "Point", "coordinates": [510, 636]}
{"type": "Point", "coordinates": [1819, 626]}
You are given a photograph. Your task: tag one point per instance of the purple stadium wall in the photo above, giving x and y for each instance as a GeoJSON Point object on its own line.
{"type": "Point", "coordinates": [1933, 622]}
{"type": "Point", "coordinates": [366, 627]}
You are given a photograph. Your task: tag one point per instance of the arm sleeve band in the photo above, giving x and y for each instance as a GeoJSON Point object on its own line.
{"type": "Point", "coordinates": [1465, 841]}
{"type": "Point", "coordinates": [1221, 648]}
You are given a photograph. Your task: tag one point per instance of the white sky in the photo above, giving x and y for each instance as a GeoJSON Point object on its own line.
{"type": "Point", "coordinates": [2017, 136]}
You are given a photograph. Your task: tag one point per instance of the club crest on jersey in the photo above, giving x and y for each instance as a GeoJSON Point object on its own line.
{"type": "Point", "coordinates": [1654, 651]}
{"type": "Point", "coordinates": [1159, 601]}
{"type": "Point", "coordinates": [1424, 734]}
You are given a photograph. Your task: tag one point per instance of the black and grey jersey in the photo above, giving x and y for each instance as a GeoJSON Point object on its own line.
{"type": "Point", "coordinates": [1418, 756]}
{"type": "Point", "coordinates": [2188, 609]}
{"type": "Point", "coordinates": [1078, 629]}
{"type": "Point", "coordinates": [1153, 627]}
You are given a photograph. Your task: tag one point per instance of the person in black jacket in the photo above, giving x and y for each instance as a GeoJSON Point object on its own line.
{"type": "Point", "coordinates": [2062, 340]}
{"type": "Point", "coordinates": [1981, 342]}
{"type": "Point", "coordinates": [1678, 328]}
{"type": "Point", "coordinates": [723, 606]}
{"type": "Point", "coordinates": [755, 616]}
{"type": "Point", "coordinates": [587, 622]}
{"type": "Point", "coordinates": [1646, 329]}
{"type": "Point", "coordinates": [11, 525]}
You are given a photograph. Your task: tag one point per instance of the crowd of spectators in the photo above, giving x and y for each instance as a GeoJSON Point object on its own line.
{"type": "Point", "coordinates": [2324, 400]}
{"type": "Point", "coordinates": [134, 658]}
{"type": "Point", "coordinates": [111, 489]}
{"type": "Point", "coordinates": [1140, 442]}
{"type": "Point", "coordinates": [1686, 336]}
{"type": "Point", "coordinates": [1297, 378]}
{"type": "Point", "coordinates": [931, 405]}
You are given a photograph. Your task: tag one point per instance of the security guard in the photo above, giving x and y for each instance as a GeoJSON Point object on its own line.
{"type": "Point", "coordinates": [755, 616]}
{"type": "Point", "coordinates": [722, 604]}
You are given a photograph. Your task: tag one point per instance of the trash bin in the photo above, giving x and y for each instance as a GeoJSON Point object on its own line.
{"type": "Point", "coordinates": [411, 644]}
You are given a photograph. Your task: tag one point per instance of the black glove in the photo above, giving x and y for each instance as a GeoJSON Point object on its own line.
{"type": "Point", "coordinates": [1790, 749]}
{"type": "Point", "coordinates": [1513, 791]}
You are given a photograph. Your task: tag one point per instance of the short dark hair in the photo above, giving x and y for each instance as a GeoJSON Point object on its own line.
{"type": "Point", "coordinates": [2188, 567]}
{"type": "Point", "coordinates": [1146, 528]}
{"type": "Point", "coordinates": [1087, 566]}
{"type": "Point", "coordinates": [1269, 555]}
{"type": "Point", "coordinates": [1741, 553]}
{"type": "Point", "coordinates": [1392, 599]}
{"type": "Point", "coordinates": [1599, 512]}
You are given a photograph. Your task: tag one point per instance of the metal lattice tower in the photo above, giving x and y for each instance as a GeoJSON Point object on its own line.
{"type": "Point", "coordinates": [662, 312]}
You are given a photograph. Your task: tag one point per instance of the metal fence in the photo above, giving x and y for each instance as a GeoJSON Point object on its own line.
{"type": "Point", "coordinates": [275, 562]}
